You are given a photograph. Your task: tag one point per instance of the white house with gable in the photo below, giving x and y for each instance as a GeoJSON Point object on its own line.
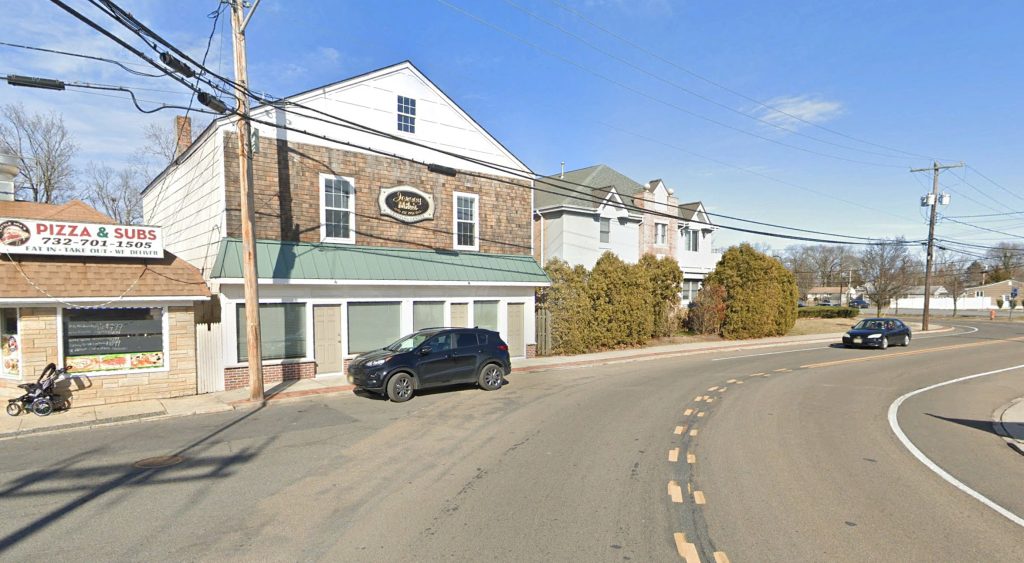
{"type": "Point", "coordinates": [581, 214]}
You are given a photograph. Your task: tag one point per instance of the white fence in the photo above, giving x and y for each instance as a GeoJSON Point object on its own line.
{"type": "Point", "coordinates": [964, 303]}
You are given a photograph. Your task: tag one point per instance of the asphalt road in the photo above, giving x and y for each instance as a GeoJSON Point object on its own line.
{"type": "Point", "coordinates": [793, 458]}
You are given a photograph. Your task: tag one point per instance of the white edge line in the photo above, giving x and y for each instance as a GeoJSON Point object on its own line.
{"type": "Point", "coordinates": [923, 337]}
{"type": "Point", "coordinates": [894, 424]}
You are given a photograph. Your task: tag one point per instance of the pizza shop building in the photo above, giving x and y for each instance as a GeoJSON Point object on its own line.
{"type": "Point", "coordinates": [78, 290]}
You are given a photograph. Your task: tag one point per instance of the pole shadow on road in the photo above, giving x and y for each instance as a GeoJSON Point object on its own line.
{"type": "Point", "coordinates": [983, 425]}
{"type": "Point", "coordinates": [34, 484]}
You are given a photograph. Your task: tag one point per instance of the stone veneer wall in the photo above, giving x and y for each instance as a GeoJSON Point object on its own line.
{"type": "Point", "coordinates": [286, 183]}
{"type": "Point", "coordinates": [37, 330]}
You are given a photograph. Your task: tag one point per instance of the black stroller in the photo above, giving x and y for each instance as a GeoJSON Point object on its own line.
{"type": "Point", "coordinates": [40, 397]}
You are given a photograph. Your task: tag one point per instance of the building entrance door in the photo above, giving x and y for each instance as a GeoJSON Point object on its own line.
{"type": "Point", "coordinates": [327, 339]}
{"type": "Point", "coordinates": [516, 330]}
{"type": "Point", "coordinates": [460, 315]}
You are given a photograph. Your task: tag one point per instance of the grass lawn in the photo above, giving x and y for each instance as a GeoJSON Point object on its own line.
{"type": "Point", "coordinates": [821, 326]}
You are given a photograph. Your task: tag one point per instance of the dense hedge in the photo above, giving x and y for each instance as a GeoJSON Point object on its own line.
{"type": "Point", "coordinates": [615, 305]}
{"type": "Point", "coordinates": [828, 312]}
{"type": "Point", "coordinates": [760, 294]}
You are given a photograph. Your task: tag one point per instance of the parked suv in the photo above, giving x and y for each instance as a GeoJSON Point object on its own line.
{"type": "Point", "coordinates": [433, 357]}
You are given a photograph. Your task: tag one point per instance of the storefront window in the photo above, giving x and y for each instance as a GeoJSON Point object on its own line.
{"type": "Point", "coordinates": [282, 331]}
{"type": "Point", "coordinates": [485, 315]}
{"type": "Point", "coordinates": [113, 339]}
{"type": "Point", "coordinates": [372, 326]}
{"type": "Point", "coordinates": [10, 354]}
{"type": "Point", "coordinates": [427, 314]}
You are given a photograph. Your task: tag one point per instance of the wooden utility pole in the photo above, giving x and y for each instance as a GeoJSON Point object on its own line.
{"type": "Point", "coordinates": [936, 168]}
{"type": "Point", "coordinates": [244, 127]}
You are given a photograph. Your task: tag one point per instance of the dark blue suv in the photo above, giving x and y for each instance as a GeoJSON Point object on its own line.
{"type": "Point", "coordinates": [433, 357]}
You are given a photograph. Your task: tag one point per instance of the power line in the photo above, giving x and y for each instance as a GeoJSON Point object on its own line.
{"type": "Point", "coordinates": [90, 57]}
{"type": "Point", "coordinates": [996, 184]}
{"type": "Point", "coordinates": [682, 88]}
{"type": "Point", "coordinates": [643, 94]}
{"type": "Point", "coordinates": [463, 157]}
{"type": "Point", "coordinates": [707, 80]}
{"type": "Point", "coordinates": [277, 103]}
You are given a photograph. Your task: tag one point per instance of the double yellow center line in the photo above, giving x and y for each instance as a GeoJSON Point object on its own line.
{"type": "Point", "coordinates": [910, 353]}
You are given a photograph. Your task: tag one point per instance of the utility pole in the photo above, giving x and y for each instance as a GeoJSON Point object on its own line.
{"type": "Point", "coordinates": [244, 127]}
{"type": "Point", "coordinates": [933, 200]}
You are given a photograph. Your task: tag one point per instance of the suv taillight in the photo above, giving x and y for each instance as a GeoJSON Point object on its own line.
{"type": "Point", "coordinates": [503, 347]}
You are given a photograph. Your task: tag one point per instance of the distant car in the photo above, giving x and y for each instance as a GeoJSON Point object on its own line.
{"type": "Point", "coordinates": [826, 303]}
{"type": "Point", "coordinates": [860, 303]}
{"type": "Point", "coordinates": [801, 303]}
{"type": "Point", "coordinates": [433, 357]}
{"type": "Point", "coordinates": [878, 333]}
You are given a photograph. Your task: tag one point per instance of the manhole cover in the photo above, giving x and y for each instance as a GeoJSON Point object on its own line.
{"type": "Point", "coordinates": [159, 461]}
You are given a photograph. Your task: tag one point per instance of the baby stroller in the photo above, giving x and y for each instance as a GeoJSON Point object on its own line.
{"type": "Point", "coordinates": [40, 397]}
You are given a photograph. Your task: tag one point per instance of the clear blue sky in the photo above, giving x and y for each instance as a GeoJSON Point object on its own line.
{"type": "Point", "coordinates": [937, 79]}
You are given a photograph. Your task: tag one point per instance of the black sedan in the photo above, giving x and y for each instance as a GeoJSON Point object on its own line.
{"type": "Point", "coordinates": [878, 333]}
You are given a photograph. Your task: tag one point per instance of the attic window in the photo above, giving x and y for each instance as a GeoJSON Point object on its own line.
{"type": "Point", "coordinates": [406, 114]}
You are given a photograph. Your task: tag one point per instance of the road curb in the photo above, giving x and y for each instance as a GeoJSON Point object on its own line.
{"type": "Point", "coordinates": [999, 424]}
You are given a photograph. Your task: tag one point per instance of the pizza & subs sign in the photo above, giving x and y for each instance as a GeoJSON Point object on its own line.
{"type": "Point", "coordinates": [61, 238]}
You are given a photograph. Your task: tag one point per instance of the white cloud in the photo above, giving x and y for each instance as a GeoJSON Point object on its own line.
{"type": "Point", "coordinates": [797, 111]}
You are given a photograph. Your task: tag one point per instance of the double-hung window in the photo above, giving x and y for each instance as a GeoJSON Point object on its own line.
{"type": "Point", "coordinates": [406, 114]}
{"type": "Point", "coordinates": [660, 233]}
{"type": "Point", "coordinates": [467, 221]}
{"type": "Point", "coordinates": [691, 240]}
{"type": "Point", "coordinates": [337, 205]}
{"type": "Point", "coordinates": [606, 230]}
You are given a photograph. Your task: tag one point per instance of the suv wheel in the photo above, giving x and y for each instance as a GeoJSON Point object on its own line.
{"type": "Point", "coordinates": [491, 377]}
{"type": "Point", "coordinates": [400, 388]}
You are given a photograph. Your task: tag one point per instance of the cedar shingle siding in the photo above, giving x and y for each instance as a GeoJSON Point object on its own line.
{"type": "Point", "coordinates": [286, 179]}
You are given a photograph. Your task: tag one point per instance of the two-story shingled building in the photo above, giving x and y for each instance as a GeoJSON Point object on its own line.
{"type": "Point", "coordinates": [581, 214]}
{"type": "Point", "coordinates": [359, 241]}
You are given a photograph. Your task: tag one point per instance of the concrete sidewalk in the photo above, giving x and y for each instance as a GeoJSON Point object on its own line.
{"type": "Point", "coordinates": [1009, 423]}
{"type": "Point", "coordinates": [120, 413]}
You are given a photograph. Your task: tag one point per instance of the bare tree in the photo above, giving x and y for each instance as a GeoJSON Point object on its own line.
{"type": "Point", "coordinates": [45, 149]}
{"type": "Point", "coordinates": [798, 260]}
{"type": "Point", "coordinates": [1006, 261]}
{"type": "Point", "coordinates": [888, 270]}
{"type": "Point", "coordinates": [953, 273]}
{"type": "Point", "coordinates": [161, 140]}
{"type": "Point", "coordinates": [118, 193]}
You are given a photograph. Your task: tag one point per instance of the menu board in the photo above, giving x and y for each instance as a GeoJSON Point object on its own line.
{"type": "Point", "coordinates": [112, 340]}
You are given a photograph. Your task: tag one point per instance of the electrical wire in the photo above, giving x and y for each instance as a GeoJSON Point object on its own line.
{"type": "Point", "coordinates": [644, 94]}
{"type": "Point", "coordinates": [716, 84]}
{"type": "Point", "coordinates": [278, 103]}
{"type": "Point", "coordinates": [90, 57]}
{"type": "Point", "coordinates": [140, 27]}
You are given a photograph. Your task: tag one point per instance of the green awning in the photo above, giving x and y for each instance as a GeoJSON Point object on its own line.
{"type": "Point", "coordinates": [310, 261]}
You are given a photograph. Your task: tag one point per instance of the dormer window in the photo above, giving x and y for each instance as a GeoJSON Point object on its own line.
{"type": "Point", "coordinates": [406, 114]}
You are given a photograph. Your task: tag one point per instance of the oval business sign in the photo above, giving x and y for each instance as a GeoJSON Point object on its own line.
{"type": "Point", "coordinates": [406, 203]}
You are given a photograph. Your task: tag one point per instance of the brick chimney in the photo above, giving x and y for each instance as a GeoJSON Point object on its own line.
{"type": "Point", "coordinates": [183, 129]}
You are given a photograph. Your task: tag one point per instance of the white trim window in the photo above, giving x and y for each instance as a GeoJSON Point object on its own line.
{"type": "Point", "coordinates": [466, 221]}
{"type": "Point", "coordinates": [661, 233]}
{"type": "Point", "coordinates": [337, 206]}
{"type": "Point", "coordinates": [691, 240]}
{"type": "Point", "coordinates": [690, 289]}
{"type": "Point", "coordinates": [606, 230]}
{"type": "Point", "coordinates": [406, 114]}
